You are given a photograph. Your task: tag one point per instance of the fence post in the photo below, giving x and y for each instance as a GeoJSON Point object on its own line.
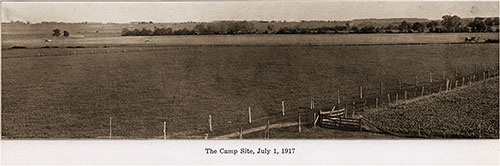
{"type": "Point", "coordinates": [345, 109]}
{"type": "Point", "coordinates": [164, 129]}
{"type": "Point", "coordinates": [388, 99]}
{"type": "Point", "coordinates": [463, 81]}
{"type": "Point", "coordinates": [210, 122]}
{"type": "Point", "coordinates": [314, 120]}
{"type": "Point", "coordinates": [249, 115]}
{"type": "Point", "coordinates": [415, 92]}
{"type": "Point", "coordinates": [416, 80]}
{"type": "Point", "coordinates": [360, 92]}
{"type": "Point", "coordinates": [241, 133]}
{"type": "Point", "coordinates": [422, 94]}
{"type": "Point", "coordinates": [400, 87]}
{"type": "Point", "coordinates": [268, 130]}
{"type": "Point", "coordinates": [338, 96]}
{"type": "Point", "coordinates": [484, 75]}
{"type": "Point", "coordinates": [376, 102]}
{"type": "Point", "coordinates": [353, 112]}
{"type": "Point", "coordinates": [312, 103]}
{"type": "Point", "coordinates": [110, 122]}
{"type": "Point", "coordinates": [430, 77]}
{"type": "Point", "coordinates": [397, 98]}
{"type": "Point", "coordinates": [381, 87]}
{"type": "Point", "coordinates": [456, 83]}
{"type": "Point", "coordinates": [447, 84]}
{"type": "Point", "coordinates": [283, 108]}
{"type": "Point", "coordinates": [300, 130]}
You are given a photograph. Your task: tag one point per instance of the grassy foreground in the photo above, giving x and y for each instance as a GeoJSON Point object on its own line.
{"type": "Point", "coordinates": [469, 112]}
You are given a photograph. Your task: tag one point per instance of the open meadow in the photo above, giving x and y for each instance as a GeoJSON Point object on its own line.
{"type": "Point", "coordinates": [72, 92]}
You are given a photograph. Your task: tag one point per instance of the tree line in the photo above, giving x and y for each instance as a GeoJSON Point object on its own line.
{"type": "Point", "coordinates": [448, 23]}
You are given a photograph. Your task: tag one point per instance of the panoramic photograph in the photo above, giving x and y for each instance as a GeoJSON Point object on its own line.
{"type": "Point", "coordinates": [250, 70]}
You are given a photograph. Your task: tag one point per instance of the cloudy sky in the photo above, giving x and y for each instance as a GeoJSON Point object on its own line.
{"type": "Point", "coordinates": [240, 10]}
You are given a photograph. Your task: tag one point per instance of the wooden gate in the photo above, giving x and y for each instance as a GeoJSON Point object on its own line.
{"type": "Point", "coordinates": [336, 119]}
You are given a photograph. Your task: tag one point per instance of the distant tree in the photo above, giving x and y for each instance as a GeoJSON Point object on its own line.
{"type": "Point", "coordinates": [66, 34]}
{"type": "Point", "coordinates": [368, 29]}
{"type": "Point", "coordinates": [478, 25]}
{"type": "Point", "coordinates": [451, 23]}
{"type": "Point", "coordinates": [432, 26]}
{"type": "Point", "coordinates": [404, 27]}
{"type": "Point", "coordinates": [270, 28]}
{"type": "Point", "coordinates": [418, 27]}
{"type": "Point", "coordinates": [56, 32]}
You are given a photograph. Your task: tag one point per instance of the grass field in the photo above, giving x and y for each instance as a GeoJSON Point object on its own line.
{"type": "Point", "coordinates": [470, 112]}
{"type": "Point", "coordinates": [74, 96]}
{"type": "Point", "coordinates": [34, 41]}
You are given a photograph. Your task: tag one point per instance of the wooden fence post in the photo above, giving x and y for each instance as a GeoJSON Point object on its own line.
{"type": "Point", "coordinates": [430, 77]}
{"type": "Point", "coordinates": [300, 129]}
{"type": "Point", "coordinates": [164, 129]}
{"type": "Point", "coordinates": [210, 122]}
{"type": "Point", "coordinates": [376, 102]}
{"type": "Point", "coordinates": [314, 120]}
{"type": "Point", "coordinates": [397, 98]}
{"type": "Point", "coordinates": [266, 132]}
{"type": "Point", "coordinates": [241, 133]}
{"type": "Point", "coordinates": [249, 115]}
{"type": "Point", "coordinates": [312, 103]}
{"type": "Point", "coordinates": [388, 99]}
{"type": "Point", "coordinates": [353, 112]}
{"type": "Point", "coordinates": [484, 75]}
{"type": "Point", "coordinates": [282, 108]}
{"type": "Point", "coordinates": [400, 87]}
{"type": "Point", "coordinates": [456, 83]}
{"type": "Point", "coordinates": [447, 84]}
{"type": "Point", "coordinates": [338, 96]}
{"type": "Point", "coordinates": [110, 122]}
{"type": "Point", "coordinates": [416, 92]}
{"type": "Point", "coordinates": [360, 92]}
{"type": "Point", "coordinates": [463, 81]}
{"type": "Point", "coordinates": [416, 80]}
{"type": "Point", "coordinates": [406, 94]}
{"type": "Point", "coordinates": [422, 94]}
{"type": "Point", "coordinates": [345, 110]}
{"type": "Point", "coordinates": [381, 87]}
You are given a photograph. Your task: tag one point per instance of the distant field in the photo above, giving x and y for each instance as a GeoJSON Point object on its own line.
{"type": "Point", "coordinates": [34, 41]}
{"type": "Point", "coordinates": [470, 112]}
{"type": "Point", "coordinates": [74, 96]}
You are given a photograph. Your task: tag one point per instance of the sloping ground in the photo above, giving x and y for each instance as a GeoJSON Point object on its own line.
{"type": "Point", "coordinates": [469, 112]}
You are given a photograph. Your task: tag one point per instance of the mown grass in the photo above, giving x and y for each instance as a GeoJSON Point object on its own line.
{"type": "Point", "coordinates": [469, 112]}
{"type": "Point", "coordinates": [33, 41]}
{"type": "Point", "coordinates": [74, 96]}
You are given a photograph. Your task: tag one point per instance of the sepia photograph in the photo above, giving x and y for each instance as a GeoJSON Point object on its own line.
{"type": "Point", "coordinates": [250, 70]}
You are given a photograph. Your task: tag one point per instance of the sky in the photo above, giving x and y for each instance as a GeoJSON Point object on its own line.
{"type": "Point", "coordinates": [181, 11]}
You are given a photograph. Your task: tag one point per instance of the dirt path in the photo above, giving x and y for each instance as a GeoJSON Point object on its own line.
{"type": "Point", "coordinates": [255, 129]}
